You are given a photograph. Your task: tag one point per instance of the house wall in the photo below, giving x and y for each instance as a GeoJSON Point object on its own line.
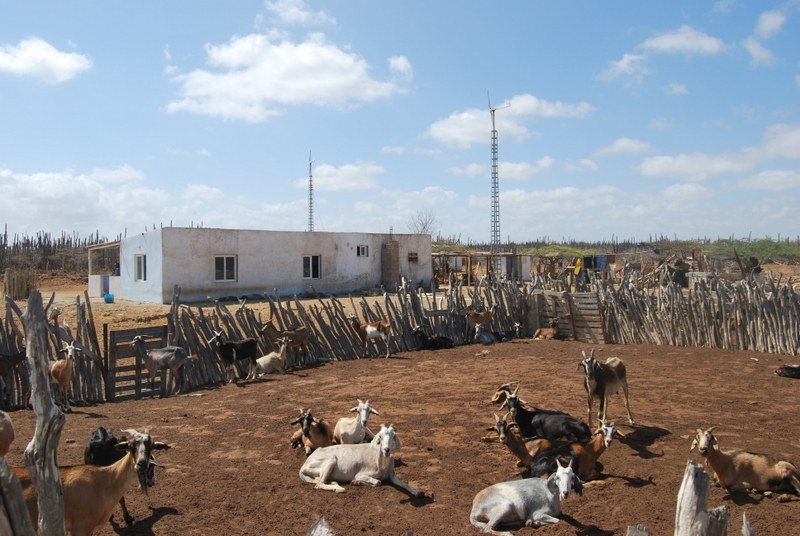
{"type": "Point", "coordinates": [268, 260]}
{"type": "Point", "coordinates": [150, 290]}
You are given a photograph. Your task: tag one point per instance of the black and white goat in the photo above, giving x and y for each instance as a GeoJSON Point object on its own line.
{"type": "Point", "coordinates": [232, 351]}
{"type": "Point", "coordinates": [603, 379]}
{"type": "Point", "coordinates": [432, 342]}
{"type": "Point", "coordinates": [537, 422]}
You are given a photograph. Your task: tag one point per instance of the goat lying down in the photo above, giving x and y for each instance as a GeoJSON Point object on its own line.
{"type": "Point", "coordinates": [531, 501]}
{"type": "Point", "coordinates": [745, 470]}
{"type": "Point", "coordinates": [370, 464]}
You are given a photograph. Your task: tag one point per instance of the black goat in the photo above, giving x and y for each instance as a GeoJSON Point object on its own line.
{"type": "Point", "coordinates": [555, 425]}
{"type": "Point", "coordinates": [507, 335]}
{"type": "Point", "coordinates": [603, 379]}
{"type": "Point", "coordinates": [102, 451]}
{"type": "Point", "coordinates": [7, 362]}
{"type": "Point", "coordinates": [232, 351]}
{"type": "Point", "coordinates": [536, 422]}
{"type": "Point", "coordinates": [436, 342]}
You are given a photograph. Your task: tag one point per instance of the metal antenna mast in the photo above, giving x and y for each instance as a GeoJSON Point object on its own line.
{"type": "Point", "coordinates": [495, 234]}
{"type": "Point", "coordinates": [310, 195]}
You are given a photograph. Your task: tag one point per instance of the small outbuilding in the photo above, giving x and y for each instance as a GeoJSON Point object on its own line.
{"type": "Point", "coordinates": [219, 263]}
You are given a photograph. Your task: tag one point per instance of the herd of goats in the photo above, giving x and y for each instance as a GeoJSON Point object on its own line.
{"type": "Point", "coordinates": [558, 452]}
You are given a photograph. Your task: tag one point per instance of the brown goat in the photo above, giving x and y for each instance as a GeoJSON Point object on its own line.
{"type": "Point", "coordinates": [480, 317]}
{"type": "Point", "coordinates": [551, 332]}
{"type": "Point", "coordinates": [298, 338]}
{"type": "Point", "coordinates": [61, 373]}
{"type": "Point", "coordinates": [380, 329]}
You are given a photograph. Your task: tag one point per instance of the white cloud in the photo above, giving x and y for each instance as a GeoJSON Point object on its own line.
{"type": "Point", "coordinates": [694, 166]}
{"type": "Point", "coordinates": [631, 66]}
{"type": "Point", "coordinates": [758, 54]}
{"type": "Point", "coordinates": [523, 170]}
{"type": "Point", "coordinates": [769, 23]}
{"type": "Point", "coordinates": [358, 176]}
{"type": "Point", "coordinates": [464, 129]}
{"type": "Point", "coordinates": [779, 141]}
{"type": "Point", "coordinates": [676, 89]}
{"type": "Point", "coordinates": [684, 40]}
{"type": "Point", "coordinates": [39, 59]}
{"type": "Point", "coordinates": [256, 76]}
{"type": "Point", "coordinates": [401, 67]}
{"type": "Point", "coordinates": [581, 165]}
{"type": "Point", "coordinates": [625, 146]}
{"type": "Point", "coordinates": [470, 170]}
{"type": "Point", "coordinates": [297, 12]}
{"type": "Point", "coordinates": [685, 193]}
{"type": "Point", "coordinates": [393, 149]}
{"type": "Point", "coordinates": [775, 180]}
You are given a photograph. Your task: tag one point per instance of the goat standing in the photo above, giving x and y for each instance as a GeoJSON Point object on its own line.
{"type": "Point", "coordinates": [603, 379]}
{"type": "Point", "coordinates": [298, 339]}
{"type": "Point", "coordinates": [61, 373]}
{"type": "Point", "coordinates": [372, 331]}
{"type": "Point", "coordinates": [172, 358]}
{"type": "Point", "coordinates": [232, 351]}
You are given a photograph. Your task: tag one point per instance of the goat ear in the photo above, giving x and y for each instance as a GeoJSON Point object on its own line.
{"type": "Point", "coordinates": [694, 445]}
{"type": "Point", "coordinates": [372, 410]}
{"type": "Point", "coordinates": [296, 421]}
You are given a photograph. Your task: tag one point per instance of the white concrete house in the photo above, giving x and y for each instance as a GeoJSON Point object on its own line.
{"type": "Point", "coordinates": [230, 262]}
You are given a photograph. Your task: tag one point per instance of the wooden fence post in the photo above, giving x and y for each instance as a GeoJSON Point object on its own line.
{"type": "Point", "coordinates": [691, 516]}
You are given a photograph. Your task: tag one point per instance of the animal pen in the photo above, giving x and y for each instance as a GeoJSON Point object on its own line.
{"type": "Point", "coordinates": [745, 315]}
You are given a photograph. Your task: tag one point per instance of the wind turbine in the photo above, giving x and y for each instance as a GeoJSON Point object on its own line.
{"type": "Point", "coordinates": [494, 241]}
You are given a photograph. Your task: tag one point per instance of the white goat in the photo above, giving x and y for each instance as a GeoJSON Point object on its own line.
{"type": "Point", "coordinates": [745, 470]}
{"type": "Point", "coordinates": [369, 464]}
{"type": "Point", "coordinates": [273, 361]}
{"type": "Point", "coordinates": [601, 380]}
{"type": "Point", "coordinates": [351, 430]}
{"type": "Point", "coordinates": [171, 357]}
{"type": "Point", "coordinates": [531, 501]}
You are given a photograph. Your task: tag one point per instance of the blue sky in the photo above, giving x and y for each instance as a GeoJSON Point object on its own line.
{"type": "Point", "coordinates": [616, 119]}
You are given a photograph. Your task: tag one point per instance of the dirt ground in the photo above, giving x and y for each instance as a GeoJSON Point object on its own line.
{"type": "Point", "coordinates": [231, 469]}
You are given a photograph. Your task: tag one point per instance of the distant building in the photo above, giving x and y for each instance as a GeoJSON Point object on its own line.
{"type": "Point", "coordinates": [230, 262]}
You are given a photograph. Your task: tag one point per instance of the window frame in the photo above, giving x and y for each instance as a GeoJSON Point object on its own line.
{"type": "Point", "coordinates": [362, 250]}
{"type": "Point", "coordinates": [225, 269]}
{"type": "Point", "coordinates": [140, 267]}
{"type": "Point", "coordinates": [309, 271]}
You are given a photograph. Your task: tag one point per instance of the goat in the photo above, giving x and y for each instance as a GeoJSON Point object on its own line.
{"type": "Point", "coordinates": [298, 338]}
{"type": "Point", "coordinates": [435, 342]}
{"type": "Point", "coordinates": [102, 451]}
{"type": "Point", "coordinates": [551, 332]}
{"type": "Point", "coordinates": [172, 357]}
{"type": "Point", "coordinates": [380, 329]}
{"type": "Point", "coordinates": [92, 492]}
{"type": "Point", "coordinates": [61, 372]}
{"type": "Point", "coordinates": [507, 335]}
{"type": "Point", "coordinates": [788, 371]}
{"type": "Point", "coordinates": [273, 361]}
{"type": "Point", "coordinates": [537, 422]}
{"type": "Point", "coordinates": [603, 379]}
{"type": "Point", "coordinates": [9, 361]}
{"type": "Point", "coordinates": [583, 456]}
{"type": "Point", "coordinates": [531, 502]}
{"type": "Point", "coordinates": [483, 337]}
{"type": "Point", "coordinates": [746, 470]}
{"type": "Point", "coordinates": [6, 433]}
{"type": "Point", "coordinates": [349, 430]}
{"type": "Point", "coordinates": [232, 351]}
{"type": "Point", "coordinates": [479, 317]}
{"type": "Point", "coordinates": [369, 464]}
{"type": "Point", "coordinates": [313, 433]}
{"type": "Point", "coordinates": [525, 451]}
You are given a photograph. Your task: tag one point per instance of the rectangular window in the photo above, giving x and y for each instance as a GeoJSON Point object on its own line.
{"type": "Point", "coordinates": [412, 257]}
{"type": "Point", "coordinates": [141, 267]}
{"type": "Point", "coordinates": [225, 268]}
{"type": "Point", "coordinates": [362, 251]}
{"type": "Point", "coordinates": [311, 267]}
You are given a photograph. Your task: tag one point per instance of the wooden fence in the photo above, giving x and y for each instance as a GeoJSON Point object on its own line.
{"type": "Point", "coordinates": [742, 315]}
